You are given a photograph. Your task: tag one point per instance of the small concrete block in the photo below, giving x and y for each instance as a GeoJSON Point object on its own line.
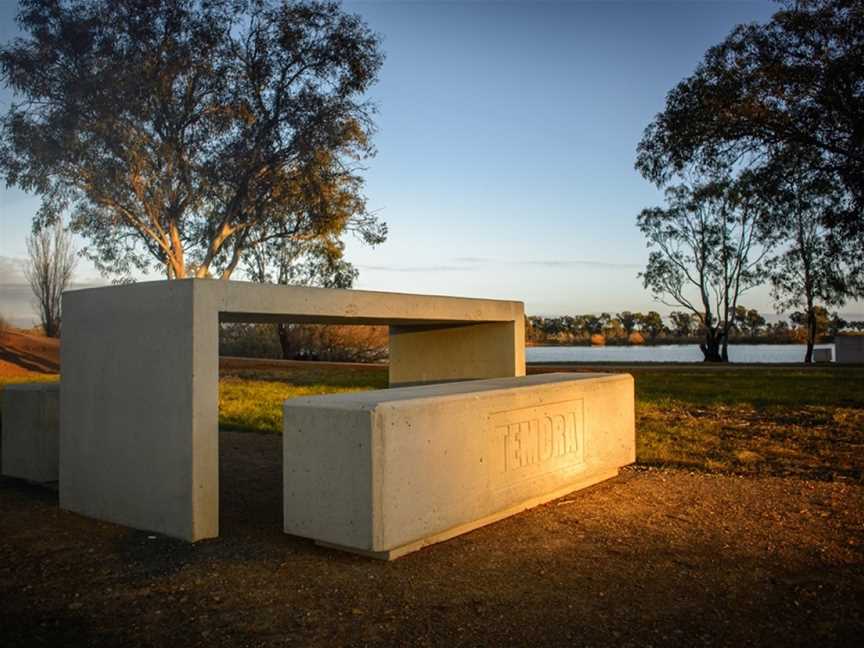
{"type": "Point", "coordinates": [821, 355]}
{"type": "Point", "coordinates": [384, 473]}
{"type": "Point", "coordinates": [31, 431]}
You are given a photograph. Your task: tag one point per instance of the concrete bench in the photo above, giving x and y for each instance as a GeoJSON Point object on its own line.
{"type": "Point", "coordinates": [31, 431]}
{"type": "Point", "coordinates": [384, 473]}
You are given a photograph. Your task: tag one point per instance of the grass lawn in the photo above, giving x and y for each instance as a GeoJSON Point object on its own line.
{"type": "Point", "coordinates": [27, 378]}
{"type": "Point", "coordinates": [251, 400]}
{"type": "Point", "coordinates": [805, 422]}
{"type": "Point", "coordinates": [774, 421]}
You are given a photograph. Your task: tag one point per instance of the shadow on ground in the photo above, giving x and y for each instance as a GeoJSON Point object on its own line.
{"type": "Point", "coordinates": [28, 361]}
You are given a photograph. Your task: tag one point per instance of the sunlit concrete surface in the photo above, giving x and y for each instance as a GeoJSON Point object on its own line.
{"type": "Point", "coordinates": [387, 472]}
{"type": "Point", "coordinates": [30, 436]}
{"type": "Point", "coordinates": [849, 349]}
{"type": "Point", "coordinates": [139, 442]}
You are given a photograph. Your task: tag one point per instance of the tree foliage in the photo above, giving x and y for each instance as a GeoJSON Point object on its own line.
{"type": "Point", "coordinates": [628, 320]}
{"type": "Point", "coordinates": [187, 135]}
{"type": "Point", "coordinates": [770, 93]}
{"type": "Point", "coordinates": [318, 262]}
{"type": "Point", "coordinates": [651, 323]}
{"type": "Point", "coordinates": [748, 320]}
{"type": "Point", "coordinates": [682, 323]}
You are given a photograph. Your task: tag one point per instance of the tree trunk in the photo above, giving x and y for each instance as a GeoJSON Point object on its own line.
{"type": "Point", "coordinates": [811, 335]}
{"type": "Point", "coordinates": [284, 341]}
{"type": "Point", "coordinates": [49, 323]}
{"type": "Point", "coordinates": [711, 347]}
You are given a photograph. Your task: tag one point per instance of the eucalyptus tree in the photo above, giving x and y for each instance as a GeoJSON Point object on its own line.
{"type": "Point", "coordinates": [186, 135]}
{"type": "Point", "coordinates": [629, 320]}
{"type": "Point", "coordinates": [705, 254]}
{"type": "Point", "coordinates": [805, 273]}
{"type": "Point", "coordinates": [682, 323]}
{"type": "Point", "coordinates": [748, 320]}
{"type": "Point", "coordinates": [651, 323]}
{"type": "Point", "coordinates": [317, 262]}
{"type": "Point", "coordinates": [767, 93]}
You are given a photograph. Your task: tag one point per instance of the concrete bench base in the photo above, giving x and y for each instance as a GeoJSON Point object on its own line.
{"type": "Point", "coordinates": [388, 472]}
{"type": "Point", "coordinates": [31, 432]}
{"type": "Point", "coordinates": [398, 552]}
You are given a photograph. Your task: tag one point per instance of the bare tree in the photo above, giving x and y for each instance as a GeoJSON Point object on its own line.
{"type": "Point", "coordinates": [52, 260]}
{"type": "Point", "coordinates": [704, 256]}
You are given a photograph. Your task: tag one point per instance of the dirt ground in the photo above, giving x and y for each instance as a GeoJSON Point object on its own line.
{"type": "Point", "coordinates": [22, 353]}
{"type": "Point", "coordinates": [653, 557]}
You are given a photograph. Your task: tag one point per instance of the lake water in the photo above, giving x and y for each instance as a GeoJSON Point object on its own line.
{"type": "Point", "coordinates": [668, 353]}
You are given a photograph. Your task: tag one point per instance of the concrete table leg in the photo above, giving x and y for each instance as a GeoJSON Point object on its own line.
{"type": "Point", "coordinates": [139, 435]}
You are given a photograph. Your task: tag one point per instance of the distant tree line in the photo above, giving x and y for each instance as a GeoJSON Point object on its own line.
{"type": "Point", "coordinates": [680, 327]}
{"type": "Point", "coordinates": [324, 342]}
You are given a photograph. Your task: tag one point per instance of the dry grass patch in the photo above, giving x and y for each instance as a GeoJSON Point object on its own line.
{"type": "Point", "coordinates": [814, 442]}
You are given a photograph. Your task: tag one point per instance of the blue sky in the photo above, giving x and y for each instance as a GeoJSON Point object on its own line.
{"type": "Point", "coordinates": [507, 134]}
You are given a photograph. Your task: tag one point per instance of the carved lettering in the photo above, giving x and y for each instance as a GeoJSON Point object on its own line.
{"type": "Point", "coordinates": [537, 440]}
